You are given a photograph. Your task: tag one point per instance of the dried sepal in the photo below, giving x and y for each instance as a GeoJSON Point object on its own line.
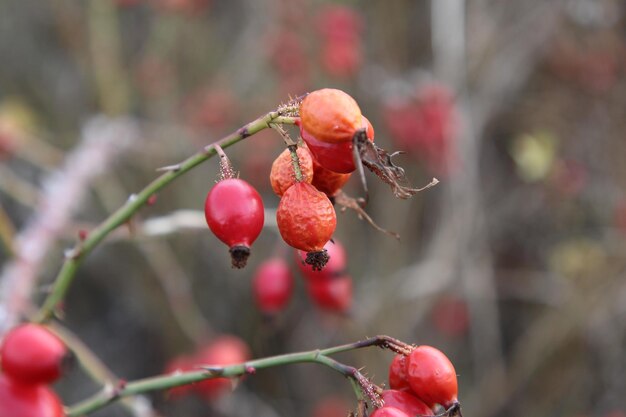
{"type": "Point", "coordinates": [379, 161]}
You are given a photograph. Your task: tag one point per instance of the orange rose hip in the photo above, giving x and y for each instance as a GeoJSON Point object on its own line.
{"type": "Point", "coordinates": [282, 175]}
{"type": "Point", "coordinates": [330, 115]}
{"type": "Point", "coordinates": [306, 220]}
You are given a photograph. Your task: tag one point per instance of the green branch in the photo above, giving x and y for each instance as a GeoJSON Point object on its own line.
{"type": "Point", "coordinates": [75, 256]}
{"type": "Point", "coordinates": [363, 387]}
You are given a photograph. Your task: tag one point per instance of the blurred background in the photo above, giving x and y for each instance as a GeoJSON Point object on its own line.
{"type": "Point", "coordinates": [514, 265]}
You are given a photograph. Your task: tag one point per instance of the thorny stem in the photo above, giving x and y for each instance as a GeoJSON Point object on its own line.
{"type": "Point", "coordinates": [367, 389]}
{"type": "Point", "coordinates": [75, 256]}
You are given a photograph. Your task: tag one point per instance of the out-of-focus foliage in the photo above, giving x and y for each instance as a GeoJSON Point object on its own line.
{"type": "Point", "coordinates": [514, 265]}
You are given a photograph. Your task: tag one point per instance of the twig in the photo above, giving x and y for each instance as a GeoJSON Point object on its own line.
{"type": "Point", "coordinates": [67, 273]}
{"type": "Point", "coordinates": [141, 386]}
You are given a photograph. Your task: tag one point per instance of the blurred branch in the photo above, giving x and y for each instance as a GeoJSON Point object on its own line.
{"type": "Point", "coordinates": [74, 257]}
{"type": "Point", "coordinates": [139, 406]}
{"type": "Point", "coordinates": [105, 47]}
{"type": "Point", "coordinates": [7, 232]}
{"type": "Point", "coordinates": [102, 141]}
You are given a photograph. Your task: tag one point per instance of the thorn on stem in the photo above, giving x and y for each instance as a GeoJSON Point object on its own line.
{"type": "Point", "coordinates": [168, 168]}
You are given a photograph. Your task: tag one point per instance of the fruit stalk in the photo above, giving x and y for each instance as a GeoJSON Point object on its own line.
{"type": "Point", "coordinates": [296, 162]}
{"type": "Point", "coordinates": [75, 256]}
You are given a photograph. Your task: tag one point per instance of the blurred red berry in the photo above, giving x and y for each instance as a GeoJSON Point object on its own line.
{"type": "Point", "coordinates": [24, 400]}
{"type": "Point", "coordinates": [341, 59]}
{"type": "Point", "coordinates": [333, 294]}
{"type": "Point", "coordinates": [339, 23]}
{"type": "Point", "coordinates": [31, 354]}
{"type": "Point", "coordinates": [272, 285]}
{"type": "Point", "coordinates": [450, 316]}
{"type": "Point", "coordinates": [177, 365]}
{"type": "Point", "coordinates": [331, 407]}
{"type": "Point", "coordinates": [224, 350]}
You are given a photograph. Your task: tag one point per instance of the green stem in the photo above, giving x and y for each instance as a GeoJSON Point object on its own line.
{"type": "Point", "coordinates": [111, 394]}
{"type": "Point", "coordinates": [76, 255]}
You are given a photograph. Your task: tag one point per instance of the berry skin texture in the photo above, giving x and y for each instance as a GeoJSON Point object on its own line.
{"type": "Point", "coordinates": [334, 295]}
{"type": "Point", "coordinates": [306, 218]}
{"type": "Point", "coordinates": [406, 402]}
{"type": "Point", "coordinates": [397, 373]}
{"type": "Point", "coordinates": [330, 115]}
{"type": "Point", "coordinates": [225, 350]}
{"type": "Point", "coordinates": [388, 411]}
{"type": "Point", "coordinates": [282, 175]}
{"type": "Point", "coordinates": [336, 157]}
{"type": "Point", "coordinates": [22, 400]}
{"type": "Point", "coordinates": [234, 212]}
{"type": "Point", "coordinates": [30, 354]}
{"type": "Point", "coordinates": [272, 285]}
{"type": "Point", "coordinates": [432, 377]}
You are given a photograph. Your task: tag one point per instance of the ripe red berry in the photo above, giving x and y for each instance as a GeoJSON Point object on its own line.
{"type": "Point", "coordinates": [31, 354]}
{"type": "Point", "coordinates": [336, 157]}
{"type": "Point", "coordinates": [406, 402]}
{"type": "Point", "coordinates": [22, 400]}
{"type": "Point", "coordinates": [397, 373]}
{"type": "Point", "coordinates": [389, 412]}
{"type": "Point", "coordinates": [225, 350]}
{"type": "Point", "coordinates": [432, 377]}
{"type": "Point", "coordinates": [282, 175]}
{"type": "Point", "coordinates": [336, 266]}
{"type": "Point", "coordinates": [330, 115]}
{"type": "Point", "coordinates": [272, 285]}
{"type": "Point", "coordinates": [306, 220]}
{"type": "Point", "coordinates": [234, 212]}
{"type": "Point", "coordinates": [333, 294]}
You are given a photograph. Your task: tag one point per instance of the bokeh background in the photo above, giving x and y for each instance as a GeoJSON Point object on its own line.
{"type": "Point", "coordinates": [514, 265]}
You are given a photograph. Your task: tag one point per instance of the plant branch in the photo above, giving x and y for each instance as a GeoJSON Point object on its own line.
{"type": "Point", "coordinates": [320, 356]}
{"type": "Point", "coordinates": [74, 257]}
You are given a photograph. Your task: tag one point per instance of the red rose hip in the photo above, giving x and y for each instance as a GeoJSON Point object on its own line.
{"type": "Point", "coordinates": [306, 220]}
{"type": "Point", "coordinates": [30, 354]}
{"type": "Point", "coordinates": [432, 377]}
{"type": "Point", "coordinates": [234, 212]}
{"type": "Point", "coordinates": [272, 285]}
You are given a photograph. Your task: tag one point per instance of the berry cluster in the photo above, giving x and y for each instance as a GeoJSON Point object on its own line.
{"type": "Point", "coordinates": [223, 350]}
{"type": "Point", "coordinates": [329, 289]}
{"type": "Point", "coordinates": [31, 358]}
{"type": "Point", "coordinates": [419, 382]}
{"type": "Point", "coordinates": [305, 178]}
